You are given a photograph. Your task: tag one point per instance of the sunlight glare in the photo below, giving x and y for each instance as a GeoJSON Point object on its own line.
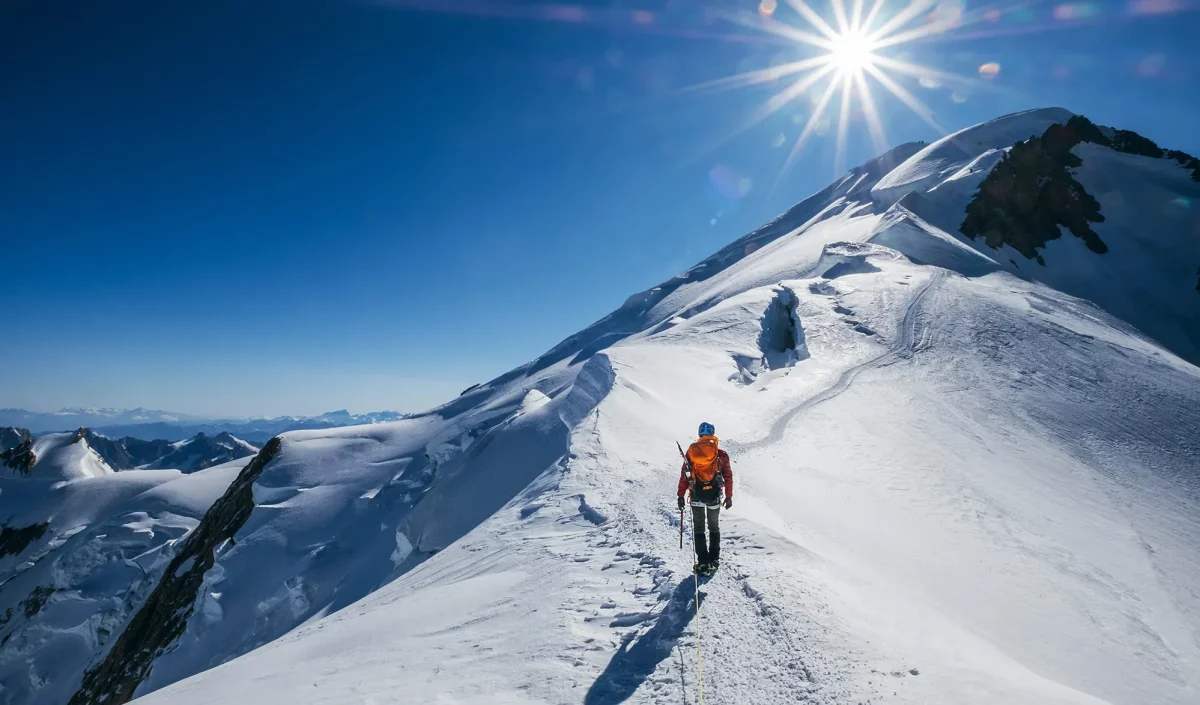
{"type": "Point", "coordinates": [850, 59]}
{"type": "Point", "coordinates": [851, 52]}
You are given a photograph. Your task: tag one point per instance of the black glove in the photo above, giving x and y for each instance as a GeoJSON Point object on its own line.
{"type": "Point", "coordinates": [681, 502]}
{"type": "Point", "coordinates": [728, 502]}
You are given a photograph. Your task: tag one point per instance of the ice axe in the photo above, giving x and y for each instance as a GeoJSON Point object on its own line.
{"type": "Point", "coordinates": [689, 466]}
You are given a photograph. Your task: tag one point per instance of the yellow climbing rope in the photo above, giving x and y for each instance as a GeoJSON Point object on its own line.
{"type": "Point", "coordinates": [699, 651]}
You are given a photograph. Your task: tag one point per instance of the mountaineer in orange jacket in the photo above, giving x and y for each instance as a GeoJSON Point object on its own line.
{"type": "Point", "coordinates": [708, 475]}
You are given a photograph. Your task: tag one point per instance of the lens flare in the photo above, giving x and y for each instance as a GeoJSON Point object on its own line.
{"type": "Point", "coordinates": [851, 55]}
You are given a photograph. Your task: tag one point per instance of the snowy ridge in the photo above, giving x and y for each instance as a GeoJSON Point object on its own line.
{"type": "Point", "coordinates": [202, 451]}
{"type": "Point", "coordinates": [954, 484]}
{"type": "Point", "coordinates": [889, 540]}
{"type": "Point", "coordinates": [949, 157]}
{"type": "Point", "coordinates": [61, 457]}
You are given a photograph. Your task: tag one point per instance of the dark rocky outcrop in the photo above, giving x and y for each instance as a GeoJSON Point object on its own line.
{"type": "Point", "coordinates": [14, 540]}
{"type": "Point", "coordinates": [164, 615]}
{"type": "Point", "coordinates": [128, 452]}
{"type": "Point", "coordinates": [37, 600]}
{"type": "Point", "coordinates": [11, 437]}
{"type": "Point", "coordinates": [1131, 142]}
{"type": "Point", "coordinates": [204, 451]}
{"type": "Point", "coordinates": [20, 457]}
{"type": "Point", "coordinates": [1031, 193]}
{"type": "Point", "coordinates": [1187, 161]}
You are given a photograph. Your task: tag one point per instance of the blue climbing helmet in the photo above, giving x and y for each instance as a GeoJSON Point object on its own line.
{"type": "Point", "coordinates": [707, 429]}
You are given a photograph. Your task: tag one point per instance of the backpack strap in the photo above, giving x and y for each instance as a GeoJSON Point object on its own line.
{"type": "Point", "coordinates": [691, 473]}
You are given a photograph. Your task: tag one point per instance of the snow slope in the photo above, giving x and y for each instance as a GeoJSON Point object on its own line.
{"type": "Point", "coordinates": [989, 499]}
{"type": "Point", "coordinates": [1148, 277]}
{"type": "Point", "coordinates": [970, 150]}
{"type": "Point", "coordinates": [107, 540]}
{"type": "Point", "coordinates": [61, 457]}
{"type": "Point", "coordinates": [954, 484]}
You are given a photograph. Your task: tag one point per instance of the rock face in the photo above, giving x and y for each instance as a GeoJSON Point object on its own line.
{"type": "Point", "coordinates": [17, 445]}
{"type": "Point", "coordinates": [13, 540]}
{"type": "Point", "coordinates": [127, 453]}
{"type": "Point", "coordinates": [165, 613]}
{"type": "Point", "coordinates": [1032, 192]}
{"type": "Point", "coordinates": [11, 437]}
{"type": "Point", "coordinates": [203, 451]}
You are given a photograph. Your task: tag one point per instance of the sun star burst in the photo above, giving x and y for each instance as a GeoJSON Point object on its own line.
{"type": "Point", "coordinates": [851, 57]}
{"type": "Point", "coordinates": [851, 52]}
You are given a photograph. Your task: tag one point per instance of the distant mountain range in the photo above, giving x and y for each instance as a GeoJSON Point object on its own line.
{"type": "Point", "coordinates": [196, 453]}
{"type": "Point", "coordinates": [151, 424]}
{"type": "Point", "coordinates": [21, 451]}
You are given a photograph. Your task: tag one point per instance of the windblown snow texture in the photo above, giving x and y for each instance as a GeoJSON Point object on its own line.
{"type": "Point", "coordinates": [960, 479]}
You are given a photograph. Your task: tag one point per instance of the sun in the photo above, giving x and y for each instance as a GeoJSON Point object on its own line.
{"type": "Point", "coordinates": [851, 52]}
{"type": "Point", "coordinates": [852, 56]}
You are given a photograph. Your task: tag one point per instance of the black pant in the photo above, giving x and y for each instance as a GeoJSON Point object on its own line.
{"type": "Point", "coordinates": [710, 551]}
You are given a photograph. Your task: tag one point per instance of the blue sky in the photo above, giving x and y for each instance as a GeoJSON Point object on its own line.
{"type": "Point", "coordinates": [289, 206]}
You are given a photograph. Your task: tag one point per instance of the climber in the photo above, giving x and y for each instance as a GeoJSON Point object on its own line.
{"type": "Point", "coordinates": [708, 475]}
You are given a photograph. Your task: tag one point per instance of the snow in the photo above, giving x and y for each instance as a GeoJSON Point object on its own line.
{"type": "Point", "coordinates": [1147, 279]}
{"type": "Point", "coordinates": [926, 498]}
{"type": "Point", "coordinates": [933, 497]}
{"type": "Point", "coordinates": [952, 484]}
{"type": "Point", "coordinates": [61, 457]}
{"type": "Point", "coordinates": [109, 537]}
{"type": "Point", "coordinates": [949, 156]}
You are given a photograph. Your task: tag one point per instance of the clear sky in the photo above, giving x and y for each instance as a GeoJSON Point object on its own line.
{"type": "Point", "coordinates": [242, 207]}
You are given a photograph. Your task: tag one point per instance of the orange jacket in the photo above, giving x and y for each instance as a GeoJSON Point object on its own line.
{"type": "Point", "coordinates": [725, 467]}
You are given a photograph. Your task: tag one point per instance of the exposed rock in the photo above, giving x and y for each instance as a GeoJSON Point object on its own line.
{"type": "Point", "coordinates": [204, 451]}
{"type": "Point", "coordinates": [14, 540]}
{"type": "Point", "coordinates": [11, 437]}
{"type": "Point", "coordinates": [1031, 193]}
{"type": "Point", "coordinates": [20, 457]}
{"type": "Point", "coordinates": [165, 614]}
{"type": "Point", "coordinates": [128, 452]}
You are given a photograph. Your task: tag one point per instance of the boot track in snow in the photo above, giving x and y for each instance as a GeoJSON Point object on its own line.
{"type": "Point", "coordinates": [902, 349]}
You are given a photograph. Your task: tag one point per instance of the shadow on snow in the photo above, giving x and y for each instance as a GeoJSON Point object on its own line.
{"type": "Point", "coordinates": [633, 664]}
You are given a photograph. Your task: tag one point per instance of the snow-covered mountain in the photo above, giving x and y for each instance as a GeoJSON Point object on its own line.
{"type": "Point", "coordinates": [191, 454]}
{"type": "Point", "coordinates": [957, 480]}
{"type": "Point", "coordinates": [203, 451]}
{"type": "Point", "coordinates": [147, 425]}
{"type": "Point", "coordinates": [74, 417]}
